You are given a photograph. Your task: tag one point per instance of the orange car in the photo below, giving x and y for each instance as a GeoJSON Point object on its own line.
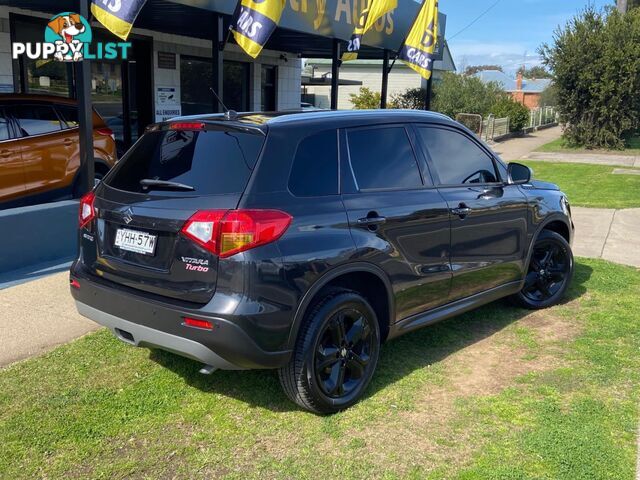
{"type": "Point", "coordinates": [39, 148]}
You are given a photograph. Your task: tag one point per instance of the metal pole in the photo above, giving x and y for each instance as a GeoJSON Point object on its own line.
{"type": "Point", "coordinates": [427, 97]}
{"type": "Point", "coordinates": [385, 80]}
{"type": "Point", "coordinates": [217, 59]}
{"type": "Point", "coordinates": [335, 73]}
{"type": "Point", "coordinates": [85, 115]}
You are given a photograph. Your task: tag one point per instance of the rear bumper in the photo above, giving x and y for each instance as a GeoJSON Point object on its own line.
{"type": "Point", "coordinates": [143, 322]}
{"type": "Point", "coordinates": [141, 336]}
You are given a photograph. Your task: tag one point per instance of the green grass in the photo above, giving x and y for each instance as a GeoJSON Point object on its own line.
{"type": "Point", "coordinates": [499, 393]}
{"type": "Point", "coordinates": [559, 145]}
{"type": "Point", "coordinates": [590, 185]}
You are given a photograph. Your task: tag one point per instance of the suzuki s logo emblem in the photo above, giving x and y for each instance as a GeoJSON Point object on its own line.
{"type": "Point", "coordinates": [128, 216]}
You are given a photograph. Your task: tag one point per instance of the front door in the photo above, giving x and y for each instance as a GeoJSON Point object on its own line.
{"type": "Point", "coordinates": [398, 220]}
{"type": "Point", "coordinates": [488, 217]}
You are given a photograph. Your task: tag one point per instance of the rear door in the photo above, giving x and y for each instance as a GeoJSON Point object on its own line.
{"type": "Point", "coordinates": [45, 147]}
{"type": "Point", "coordinates": [488, 217]}
{"type": "Point", "coordinates": [138, 241]}
{"type": "Point", "coordinates": [12, 179]}
{"type": "Point", "coordinates": [398, 220]}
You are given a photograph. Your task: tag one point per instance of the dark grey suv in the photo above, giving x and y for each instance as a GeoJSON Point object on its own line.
{"type": "Point", "coordinates": [303, 241]}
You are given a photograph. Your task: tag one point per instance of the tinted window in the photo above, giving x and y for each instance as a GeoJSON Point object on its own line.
{"type": "Point", "coordinates": [383, 158]}
{"type": "Point", "coordinates": [36, 119]}
{"type": "Point", "coordinates": [4, 127]}
{"type": "Point", "coordinates": [69, 115]}
{"type": "Point", "coordinates": [212, 162]}
{"type": "Point", "coordinates": [456, 159]}
{"type": "Point", "coordinates": [315, 167]}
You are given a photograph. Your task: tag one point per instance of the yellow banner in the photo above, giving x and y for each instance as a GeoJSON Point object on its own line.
{"type": "Point", "coordinates": [119, 17]}
{"type": "Point", "coordinates": [374, 10]}
{"type": "Point", "coordinates": [419, 47]}
{"type": "Point", "coordinates": [253, 23]}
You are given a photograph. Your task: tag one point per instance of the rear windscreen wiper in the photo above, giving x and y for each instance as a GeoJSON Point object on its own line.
{"type": "Point", "coordinates": [150, 182]}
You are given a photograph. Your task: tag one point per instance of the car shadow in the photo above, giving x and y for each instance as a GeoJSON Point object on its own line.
{"type": "Point", "coordinates": [399, 357]}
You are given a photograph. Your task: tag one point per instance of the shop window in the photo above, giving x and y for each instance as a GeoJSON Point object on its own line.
{"type": "Point", "coordinates": [196, 78]}
{"type": "Point", "coordinates": [269, 87]}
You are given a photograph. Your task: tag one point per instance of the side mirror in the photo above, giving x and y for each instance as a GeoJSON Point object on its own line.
{"type": "Point", "coordinates": [519, 174]}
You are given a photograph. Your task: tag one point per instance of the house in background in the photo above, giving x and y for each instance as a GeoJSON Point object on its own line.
{"type": "Point", "coordinates": [365, 73]}
{"type": "Point", "coordinates": [526, 91]}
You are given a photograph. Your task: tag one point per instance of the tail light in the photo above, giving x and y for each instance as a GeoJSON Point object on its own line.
{"type": "Point", "coordinates": [226, 233]}
{"type": "Point", "coordinates": [87, 211]}
{"type": "Point", "coordinates": [106, 132]}
{"type": "Point", "coordinates": [187, 126]}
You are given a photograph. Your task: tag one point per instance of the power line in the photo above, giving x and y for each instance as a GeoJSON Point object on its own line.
{"type": "Point", "coordinates": [475, 20]}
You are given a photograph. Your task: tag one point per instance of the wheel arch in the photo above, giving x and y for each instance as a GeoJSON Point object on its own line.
{"type": "Point", "coordinates": [344, 276]}
{"type": "Point", "coordinates": [556, 223]}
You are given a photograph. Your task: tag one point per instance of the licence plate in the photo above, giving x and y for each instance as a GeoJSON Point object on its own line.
{"type": "Point", "coordinates": [133, 241]}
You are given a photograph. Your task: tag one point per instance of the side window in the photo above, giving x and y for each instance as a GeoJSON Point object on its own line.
{"type": "Point", "coordinates": [382, 158]}
{"type": "Point", "coordinates": [315, 167]}
{"type": "Point", "coordinates": [4, 126]}
{"type": "Point", "coordinates": [456, 159]}
{"type": "Point", "coordinates": [36, 119]}
{"type": "Point", "coordinates": [69, 115]}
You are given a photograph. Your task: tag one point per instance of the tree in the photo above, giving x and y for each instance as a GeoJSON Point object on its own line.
{"type": "Point", "coordinates": [473, 69]}
{"type": "Point", "coordinates": [625, 5]}
{"type": "Point", "coordinates": [549, 96]}
{"type": "Point", "coordinates": [365, 99]}
{"type": "Point", "coordinates": [535, 72]}
{"type": "Point", "coordinates": [596, 63]}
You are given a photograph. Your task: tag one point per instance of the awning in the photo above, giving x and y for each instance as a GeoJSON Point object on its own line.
{"type": "Point", "coordinates": [307, 33]}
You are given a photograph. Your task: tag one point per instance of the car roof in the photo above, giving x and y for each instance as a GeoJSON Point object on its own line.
{"type": "Point", "coordinates": [30, 97]}
{"type": "Point", "coordinates": [336, 118]}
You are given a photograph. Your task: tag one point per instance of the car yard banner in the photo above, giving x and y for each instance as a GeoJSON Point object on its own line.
{"type": "Point", "coordinates": [253, 23]}
{"type": "Point", "coordinates": [418, 51]}
{"type": "Point", "coordinates": [372, 12]}
{"type": "Point", "coordinates": [117, 15]}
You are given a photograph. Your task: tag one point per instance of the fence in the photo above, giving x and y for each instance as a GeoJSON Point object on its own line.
{"type": "Point", "coordinates": [542, 116]}
{"type": "Point", "coordinates": [486, 129]}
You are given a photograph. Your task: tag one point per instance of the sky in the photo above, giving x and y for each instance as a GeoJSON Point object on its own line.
{"type": "Point", "coordinates": [508, 35]}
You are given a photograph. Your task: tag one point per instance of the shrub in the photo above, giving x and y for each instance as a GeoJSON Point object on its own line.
{"type": "Point", "coordinates": [365, 99]}
{"type": "Point", "coordinates": [595, 58]}
{"type": "Point", "coordinates": [518, 114]}
{"type": "Point", "coordinates": [412, 99]}
{"type": "Point", "coordinates": [456, 94]}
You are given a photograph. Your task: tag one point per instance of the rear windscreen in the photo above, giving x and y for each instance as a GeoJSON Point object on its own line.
{"type": "Point", "coordinates": [211, 162]}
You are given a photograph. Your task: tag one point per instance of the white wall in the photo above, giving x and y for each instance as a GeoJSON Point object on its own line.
{"type": "Point", "coordinates": [400, 79]}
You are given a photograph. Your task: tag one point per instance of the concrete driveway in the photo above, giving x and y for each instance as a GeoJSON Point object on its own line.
{"type": "Point", "coordinates": [38, 316]}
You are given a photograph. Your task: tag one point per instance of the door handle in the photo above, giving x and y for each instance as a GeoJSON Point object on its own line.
{"type": "Point", "coordinates": [371, 221]}
{"type": "Point", "coordinates": [462, 210]}
{"type": "Point", "coordinates": [5, 153]}
{"type": "Point", "coordinates": [67, 141]}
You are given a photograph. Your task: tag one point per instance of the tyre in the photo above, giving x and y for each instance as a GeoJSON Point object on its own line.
{"type": "Point", "coordinates": [549, 273]}
{"type": "Point", "coordinates": [335, 355]}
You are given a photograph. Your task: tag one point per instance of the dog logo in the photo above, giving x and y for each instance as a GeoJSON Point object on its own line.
{"type": "Point", "coordinates": [68, 32]}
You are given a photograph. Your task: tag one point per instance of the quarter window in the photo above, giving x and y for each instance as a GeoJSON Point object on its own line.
{"type": "Point", "coordinates": [36, 119]}
{"type": "Point", "coordinates": [456, 159]}
{"type": "Point", "coordinates": [4, 127]}
{"type": "Point", "coordinates": [382, 158]}
{"type": "Point", "coordinates": [315, 167]}
{"type": "Point", "coordinates": [69, 115]}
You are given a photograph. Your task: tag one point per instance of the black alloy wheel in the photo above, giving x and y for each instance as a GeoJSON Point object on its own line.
{"type": "Point", "coordinates": [335, 355]}
{"type": "Point", "coordinates": [549, 273]}
{"type": "Point", "coordinates": [343, 352]}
